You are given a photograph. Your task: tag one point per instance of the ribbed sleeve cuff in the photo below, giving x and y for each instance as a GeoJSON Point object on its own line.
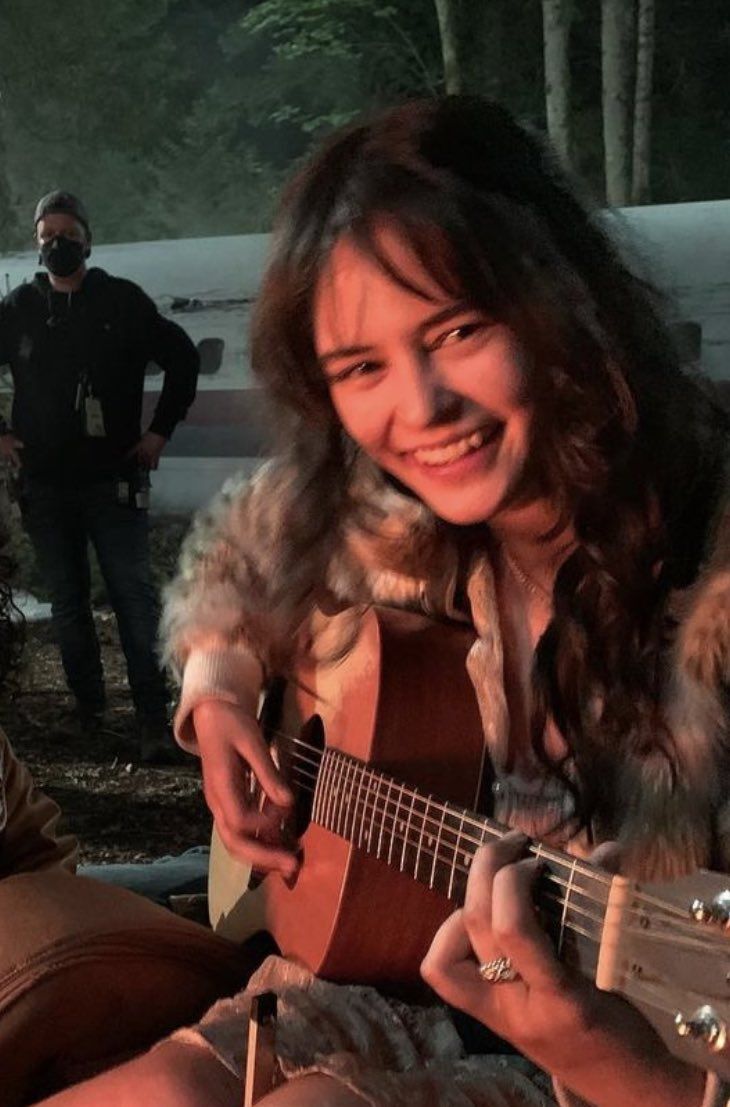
{"type": "Point", "coordinates": [232, 675]}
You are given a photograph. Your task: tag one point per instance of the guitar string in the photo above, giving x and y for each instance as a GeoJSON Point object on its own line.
{"type": "Point", "coordinates": [423, 816]}
{"type": "Point", "coordinates": [543, 851]}
{"type": "Point", "coordinates": [672, 913]}
{"type": "Point", "coordinates": [468, 817]}
{"type": "Point", "coordinates": [642, 898]}
{"type": "Point", "coordinates": [691, 940]}
{"type": "Point", "coordinates": [571, 957]}
{"type": "Point", "coordinates": [587, 963]}
{"type": "Point", "coordinates": [669, 910]}
{"type": "Point", "coordinates": [685, 935]}
{"type": "Point", "coordinates": [415, 843]}
{"type": "Point", "coordinates": [554, 902]}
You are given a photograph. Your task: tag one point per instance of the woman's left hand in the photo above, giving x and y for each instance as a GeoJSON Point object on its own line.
{"type": "Point", "coordinates": [592, 1041]}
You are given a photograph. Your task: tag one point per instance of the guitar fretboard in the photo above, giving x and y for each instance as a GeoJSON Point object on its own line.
{"type": "Point", "coordinates": [431, 841]}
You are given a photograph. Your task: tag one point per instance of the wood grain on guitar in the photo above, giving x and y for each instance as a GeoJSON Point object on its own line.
{"type": "Point", "coordinates": [384, 862]}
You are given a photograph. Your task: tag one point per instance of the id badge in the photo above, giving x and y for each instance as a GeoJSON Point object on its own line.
{"type": "Point", "coordinates": [94, 417]}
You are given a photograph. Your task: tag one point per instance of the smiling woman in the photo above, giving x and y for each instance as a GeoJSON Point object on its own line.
{"type": "Point", "coordinates": [483, 420]}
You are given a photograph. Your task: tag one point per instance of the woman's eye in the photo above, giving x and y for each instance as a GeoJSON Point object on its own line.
{"type": "Point", "coordinates": [352, 372]}
{"type": "Point", "coordinates": [457, 334]}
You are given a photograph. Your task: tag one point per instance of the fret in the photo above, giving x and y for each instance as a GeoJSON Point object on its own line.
{"type": "Point", "coordinates": [335, 788]}
{"type": "Point", "coordinates": [566, 904]}
{"type": "Point", "coordinates": [345, 799]}
{"type": "Point", "coordinates": [454, 855]}
{"type": "Point", "coordinates": [407, 833]}
{"type": "Point", "coordinates": [383, 817]}
{"type": "Point", "coordinates": [352, 789]}
{"type": "Point", "coordinates": [368, 809]}
{"type": "Point", "coordinates": [424, 816]}
{"type": "Point", "coordinates": [394, 825]}
{"type": "Point", "coordinates": [356, 827]}
{"type": "Point", "coordinates": [330, 800]}
{"type": "Point", "coordinates": [378, 814]}
{"type": "Point", "coordinates": [321, 789]}
{"type": "Point", "coordinates": [437, 847]}
{"type": "Point", "coordinates": [468, 854]}
{"type": "Point", "coordinates": [357, 773]}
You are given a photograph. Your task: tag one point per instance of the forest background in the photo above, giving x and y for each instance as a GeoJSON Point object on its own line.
{"type": "Point", "coordinates": [176, 118]}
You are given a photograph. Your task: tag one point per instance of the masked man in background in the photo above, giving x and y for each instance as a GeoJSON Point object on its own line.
{"type": "Point", "coordinates": [77, 341]}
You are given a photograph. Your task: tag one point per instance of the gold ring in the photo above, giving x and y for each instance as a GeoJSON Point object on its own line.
{"type": "Point", "coordinates": [498, 971]}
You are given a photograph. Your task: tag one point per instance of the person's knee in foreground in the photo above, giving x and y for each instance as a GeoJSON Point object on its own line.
{"type": "Point", "coordinates": [483, 418]}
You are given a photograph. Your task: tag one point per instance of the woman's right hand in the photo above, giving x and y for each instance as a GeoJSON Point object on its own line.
{"type": "Point", "coordinates": [232, 748]}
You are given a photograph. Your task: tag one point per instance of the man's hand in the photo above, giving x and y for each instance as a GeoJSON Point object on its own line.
{"type": "Point", "coordinates": [9, 446]}
{"type": "Point", "coordinates": [147, 451]}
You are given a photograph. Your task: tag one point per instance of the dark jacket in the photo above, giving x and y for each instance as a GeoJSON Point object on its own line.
{"type": "Point", "coordinates": [106, 333]}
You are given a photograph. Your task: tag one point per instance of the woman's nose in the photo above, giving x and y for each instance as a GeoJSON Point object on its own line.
{"type": "Point", "coordinates": [424, 397]}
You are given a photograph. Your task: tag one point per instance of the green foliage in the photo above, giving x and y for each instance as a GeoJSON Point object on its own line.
{"type": "Point", "coordinates": [183, 117]}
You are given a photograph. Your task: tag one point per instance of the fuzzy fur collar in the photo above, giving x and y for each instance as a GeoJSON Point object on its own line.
{"type": "Point", "coordinates": [667, 827]}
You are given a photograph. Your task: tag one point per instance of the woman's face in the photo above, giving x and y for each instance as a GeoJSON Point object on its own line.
{"type": "Point", "coordinates": [431, 389]}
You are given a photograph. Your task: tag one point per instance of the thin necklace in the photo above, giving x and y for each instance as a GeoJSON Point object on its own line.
{"type": "Point", "coordinates": [527, 582]}
{"type": "Point", "coordinates": [532, 586]}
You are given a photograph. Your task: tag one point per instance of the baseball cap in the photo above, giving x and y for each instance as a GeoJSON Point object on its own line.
{"type": "Point", "coordinates": [59, 201]}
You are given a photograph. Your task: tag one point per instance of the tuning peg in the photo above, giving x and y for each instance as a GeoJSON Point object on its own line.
{"type": "Point", "coordinates": [716, 913]}
{"type": "Point", "coordinates": [704, 1026]}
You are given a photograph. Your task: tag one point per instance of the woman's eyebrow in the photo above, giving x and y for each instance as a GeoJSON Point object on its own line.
{"type": "Point", "coordinates": [444, 315]}
{"type": "Point", "coordinates": [451, 311]}
{"type": "Point", "coordinates": [342, 352]}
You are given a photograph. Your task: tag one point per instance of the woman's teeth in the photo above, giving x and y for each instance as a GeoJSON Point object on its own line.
{"type": "Point", "coordinates": [443, 455]}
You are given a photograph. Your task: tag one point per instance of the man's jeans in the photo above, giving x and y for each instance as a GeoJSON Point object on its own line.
{"type": "Point", "coordinates": [184, 874]}
{"type": "Point", "coordinates": [61, 521]}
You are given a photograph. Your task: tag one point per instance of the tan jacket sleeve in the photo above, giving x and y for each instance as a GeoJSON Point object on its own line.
{"type": "Point", "coordinates": [28, 836]}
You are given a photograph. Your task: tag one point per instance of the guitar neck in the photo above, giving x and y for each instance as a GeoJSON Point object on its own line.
{"type": "Point", "coordinates": [431, 841]}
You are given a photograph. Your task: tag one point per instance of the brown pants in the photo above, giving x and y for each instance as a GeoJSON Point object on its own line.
{"type": "Point", "coordinates": [91, 974]}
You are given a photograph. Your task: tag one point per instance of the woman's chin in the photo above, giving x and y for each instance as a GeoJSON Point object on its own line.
{"type": "Point", "coordinates": [465, 508]}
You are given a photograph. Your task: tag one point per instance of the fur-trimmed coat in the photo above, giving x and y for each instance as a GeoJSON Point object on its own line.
{"type": "Point", "coordinates": [216, 627]}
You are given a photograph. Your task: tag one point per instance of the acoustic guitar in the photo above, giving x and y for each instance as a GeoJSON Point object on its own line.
{"type": "Point", "coordinates": [384, 862]}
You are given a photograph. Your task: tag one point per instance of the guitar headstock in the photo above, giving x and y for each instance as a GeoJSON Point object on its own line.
{"type": "Point", "coordinates": [666, 948]}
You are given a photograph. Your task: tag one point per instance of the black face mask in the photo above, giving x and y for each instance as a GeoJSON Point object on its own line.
{"type": "Point", "coordinates": [63, 256]}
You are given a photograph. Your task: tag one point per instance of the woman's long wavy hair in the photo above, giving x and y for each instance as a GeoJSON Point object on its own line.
{"type": "Point", "coordinates": [626, 443]}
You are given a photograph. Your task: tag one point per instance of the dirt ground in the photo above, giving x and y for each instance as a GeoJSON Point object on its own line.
{"type": "Point", "coordinates": [119, 810]}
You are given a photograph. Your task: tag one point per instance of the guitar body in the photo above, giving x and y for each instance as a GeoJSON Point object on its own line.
{"type": "Point", "coordinates": [402, 701]}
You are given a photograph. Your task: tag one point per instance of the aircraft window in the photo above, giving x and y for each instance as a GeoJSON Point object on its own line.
{"type": "Point", "coordinates": [211, 355]}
